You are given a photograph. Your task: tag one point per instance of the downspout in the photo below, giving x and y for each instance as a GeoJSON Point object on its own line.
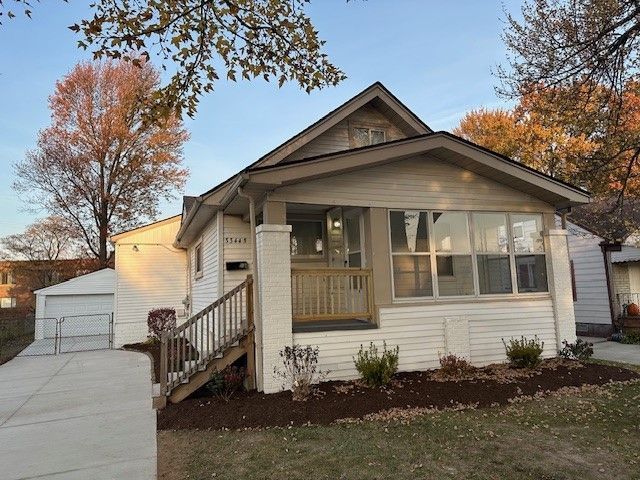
{"type": "Point", "coordinates": [257, 321]}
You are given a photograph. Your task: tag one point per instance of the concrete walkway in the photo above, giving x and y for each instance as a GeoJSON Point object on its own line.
{"type": "Point", "coordinates": [614, 351]}
{"type": "Point", "coordinates": [83, 415]}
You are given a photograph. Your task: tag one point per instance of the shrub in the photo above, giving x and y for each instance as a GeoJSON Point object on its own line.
{"type": "Point", "coordinates": [631, 338]}
{"type": "Point", "coordinates": [376, 370]}
{"type": "Point", "coordinates": [226, 383]}
{"type": "Point", "coordinates": [454, 366]}
{"type": "Point", "coordinates": [580, 350]}
{"type": "Point", "coordinates": [161, 320]}
{"type": "Point", "coordinates": [524, 353]}
{"type": "Point", "coordinates": [299, 370]}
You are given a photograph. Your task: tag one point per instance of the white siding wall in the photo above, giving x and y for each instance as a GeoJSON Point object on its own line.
{"type": "Point", "coordinates": [592, 305]}
{"type": "Point", "coordinates": [420, 333]}
{"type": "Point", "coordinates": [336, 138]}
{"type": "Point", "coordinates": [204, 290]}
{"type": "Point", "coordinates": [237, 248]}
{"type": "Point", "coordinates": [418, 182]}
{"type": "Point", "coordinates": [153, 276]}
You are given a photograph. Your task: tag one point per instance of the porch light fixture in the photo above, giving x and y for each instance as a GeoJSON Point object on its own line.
{"type": "Point", "coordinates": [337, 223]}
{"type": "Point", "coordinates": [135, 248]}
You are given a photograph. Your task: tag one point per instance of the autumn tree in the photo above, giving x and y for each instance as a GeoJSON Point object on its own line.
{"type": "Point", "coordinates": [51, 238]}
{"type": "Point", "coordinates": [101, 165]}
{"type": "Point", "coordinates": [530, 135]}
{"type": "Point", "coordinates": [200, 41]}
{"type": "Point", "coordinates": [584, 54]}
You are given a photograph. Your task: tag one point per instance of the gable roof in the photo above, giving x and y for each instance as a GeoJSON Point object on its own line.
{"type": "Point", "coordinates": [142, 228]}
{"type": "Point", "coordinates": [443, 145]}
{"type": "Point", "coordinates": [376, 92]}
{"type": "Point", "coordinates": [101, 281]}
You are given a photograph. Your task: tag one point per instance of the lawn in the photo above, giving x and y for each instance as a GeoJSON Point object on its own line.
{"type": "Point", "coordinates": [594, 433]}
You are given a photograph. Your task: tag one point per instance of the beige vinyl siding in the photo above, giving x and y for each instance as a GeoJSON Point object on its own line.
{"type": "Point", "coordinates": [236, 249]}
{"type": "Point", "coordinates": [420, 182]}
{"type": "Point", "coordinates": [337, 137]}
{"type": "Point", "coordinates": [419, 332]}
{"type": "Point", "coordinates": [592, 305]}
{"type": "Point", "coordinates": [152, 275]}
{"type": "Point", "coordinates": [204, 290]}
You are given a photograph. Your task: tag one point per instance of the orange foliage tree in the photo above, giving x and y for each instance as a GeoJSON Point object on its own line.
{"type": "Point", "coordinates": [101, 164]}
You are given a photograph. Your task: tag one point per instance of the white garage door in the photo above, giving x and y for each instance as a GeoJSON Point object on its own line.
{"type": "Point", "coordinates": [79, 312]}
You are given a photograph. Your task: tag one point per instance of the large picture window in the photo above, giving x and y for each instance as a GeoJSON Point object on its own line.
{"type": "Point", "coordinates": [447, 254]}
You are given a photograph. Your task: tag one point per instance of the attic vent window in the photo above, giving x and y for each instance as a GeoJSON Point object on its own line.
{"type": "Point", "coordinates": [368, 136]}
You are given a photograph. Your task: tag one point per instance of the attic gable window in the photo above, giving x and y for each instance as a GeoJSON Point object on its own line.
{"type": "Point", "coordinates": [363, 136]}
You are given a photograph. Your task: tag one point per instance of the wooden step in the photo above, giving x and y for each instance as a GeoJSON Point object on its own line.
{"type": "Point", "coordinates": [198, 379]}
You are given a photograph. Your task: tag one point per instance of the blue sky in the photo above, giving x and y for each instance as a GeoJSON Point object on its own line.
{"type": "Point", "coordinates": [435, 56]}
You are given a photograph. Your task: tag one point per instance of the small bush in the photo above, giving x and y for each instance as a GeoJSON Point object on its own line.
{"type": "Point", "coordinates": [376, 370]}
{"type": "Point", "coordinates": [454, 366]}
{"type": "Point", "coordinates": [299, 370]}
{"type": "Point", "coordinates": [631, 338]}
{"type": "Point", "coordinates": [161, 320]}
{"type": "Point", "coordinates": [524, 353]}
{"type": "Point", "coordinates": [226, 383]}
{"type": "Point", "coordinates": [580, 350]}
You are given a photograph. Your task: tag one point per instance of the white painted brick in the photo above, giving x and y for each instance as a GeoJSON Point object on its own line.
{"type": "Point", "coordinates": [274, 326]}
{"type": "Point", "coordinates": [559, 274]}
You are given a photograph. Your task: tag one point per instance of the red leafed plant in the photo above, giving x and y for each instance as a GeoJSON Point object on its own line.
{"type": "Point", "coordinates": [161, 320]}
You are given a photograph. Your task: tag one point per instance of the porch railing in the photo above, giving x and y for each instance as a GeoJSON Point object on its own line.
{"type": "Point", "coordinates": [189, 348]}
{"type": "Point", "coordinates": [331, 294]}
{"type": "Point", "coordinates": [625, 299]}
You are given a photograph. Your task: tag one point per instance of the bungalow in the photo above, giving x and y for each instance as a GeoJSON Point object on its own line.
{"type": "Point", "coordinates": [367, 226]}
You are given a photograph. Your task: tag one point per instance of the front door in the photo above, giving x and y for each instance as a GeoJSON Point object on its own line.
{"type": "Point", "coordinates": [353, 239]}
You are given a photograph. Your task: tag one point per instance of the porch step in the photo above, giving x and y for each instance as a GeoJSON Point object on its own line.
{"type": "Point", "coordinates": [198, 379]}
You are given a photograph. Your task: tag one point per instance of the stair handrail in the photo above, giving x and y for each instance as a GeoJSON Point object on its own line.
{"type": "Point", "coordinates": [235, 324]}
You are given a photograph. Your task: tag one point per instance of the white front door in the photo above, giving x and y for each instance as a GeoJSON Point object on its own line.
{"type": "Point", "coordinates": [354, 239]}
{"type": "Point", "coordinates": [634, 277]}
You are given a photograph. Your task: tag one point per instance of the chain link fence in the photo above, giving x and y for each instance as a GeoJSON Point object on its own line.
{"type": "Point", "coordinates": [29, 336]}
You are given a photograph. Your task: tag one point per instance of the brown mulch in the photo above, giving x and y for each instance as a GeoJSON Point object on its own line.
{"type": "Point", "coordinates": [153, 348]}
{"type": "Point", "coordinates": [339, 400]}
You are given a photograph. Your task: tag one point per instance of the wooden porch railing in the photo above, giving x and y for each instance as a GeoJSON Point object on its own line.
{"type": "Point", "coordinates": [189, 348]}
{"type": "Point", "coordinates": [331, 294]}
{"type": "Point", "coordinates": [625, 299]}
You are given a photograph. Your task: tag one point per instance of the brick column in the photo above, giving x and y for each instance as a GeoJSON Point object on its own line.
{"type": "Point", "coordinates": [559, 277]}
{"type": "Point", "coordinates": [274, 325]}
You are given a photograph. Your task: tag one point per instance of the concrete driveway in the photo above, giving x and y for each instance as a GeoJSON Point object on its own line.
{"type": "Point", "coordinates": [614, 351]}
{"type": "Point", "coordinates": [84, 415]}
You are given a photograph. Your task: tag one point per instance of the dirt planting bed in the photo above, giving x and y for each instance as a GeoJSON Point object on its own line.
{"type": "Point", "coordinates": [493, 385]}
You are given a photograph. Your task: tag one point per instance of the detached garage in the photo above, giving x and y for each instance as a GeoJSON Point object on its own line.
{"type": "Point", "coordinates": [82, 301]}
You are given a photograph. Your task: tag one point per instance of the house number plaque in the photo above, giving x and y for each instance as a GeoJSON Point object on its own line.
{"type": "Point", "coordinates": [235, 239]}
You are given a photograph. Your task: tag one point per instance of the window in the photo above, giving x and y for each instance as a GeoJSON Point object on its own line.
{"type": "Point", "coordinates": [453, 253]}
{"type": "Point", "coordinates": [492, 253]}
{"type": "Point", "coordinates": [363, 136]}
{"type": "Point", "coordinates": [410, 254]}
{"type": "Point", "coordinates": [6, 278]}
{"type": "Point", "coordinates": [446, 254]}
{"type": "Point", "coordinates": [307, 239]}
{"type": "Point", "coordinates": [198, 260]}
{"type": "Point", "coordinates": [7, 302]}
{"type": "Point", "coordinates": [530, 259]}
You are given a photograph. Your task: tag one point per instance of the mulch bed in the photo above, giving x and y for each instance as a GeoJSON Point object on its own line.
{"type": "Point", "coordinates": [340, 400]}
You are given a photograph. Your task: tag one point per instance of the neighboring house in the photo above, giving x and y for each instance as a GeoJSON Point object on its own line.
{"type": "Point", "coordinates": [84, 302]}
{"type": "Point", "coordinates": [606, 273]}
{"type": "Point", "coordinates": [368, 227]}
{"type": "Point", "coordinates": [19, 279]}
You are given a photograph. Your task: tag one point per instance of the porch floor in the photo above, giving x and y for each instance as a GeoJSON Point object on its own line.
{"type": "Point", "coordinates": [326, 325]}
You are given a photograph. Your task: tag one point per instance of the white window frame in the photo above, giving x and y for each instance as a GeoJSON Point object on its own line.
{"type": "Point", "coordinates": [369, 128]}
{"type": "Point", "coordinates": [12, 302]}
{"type": "Point", "coordinates": [198, 250]}
{"type": "Point", "coordinates": [474, 258]}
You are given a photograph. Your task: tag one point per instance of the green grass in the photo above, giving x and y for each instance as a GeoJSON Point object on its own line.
{"type": "Point", "coordinates": [590, 435]}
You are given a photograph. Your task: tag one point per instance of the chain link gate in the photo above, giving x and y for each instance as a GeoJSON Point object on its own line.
{"type": "Point", "coordinates": [72, 333]}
